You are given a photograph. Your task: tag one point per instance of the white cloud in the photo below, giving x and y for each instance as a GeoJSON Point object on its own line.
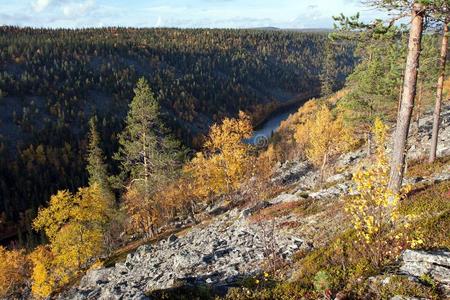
{"type": "Point", "coordinates": [178, 13]}
{"type": "Point", "coordinates": [40, 5]}
{"type": "Point", "coordinates": [159, 22]}
{"type": "Point", "coordinates": [72, 9]}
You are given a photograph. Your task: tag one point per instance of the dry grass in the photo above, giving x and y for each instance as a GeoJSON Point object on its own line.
{"type": "Point", "coordinates": [422, 168]}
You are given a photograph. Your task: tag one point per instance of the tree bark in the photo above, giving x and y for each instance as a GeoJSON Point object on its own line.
{"type": "Point", "coordinates": [440, 85]}
{"type": "Point", "coordinates": [407, 103]}
{"type": "Point", "coordinates": [418, 110]}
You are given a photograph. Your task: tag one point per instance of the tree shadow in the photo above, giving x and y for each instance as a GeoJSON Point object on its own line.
{"type": "Point", "coordinates": [198, 287]}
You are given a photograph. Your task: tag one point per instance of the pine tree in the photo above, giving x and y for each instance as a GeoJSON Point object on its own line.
{"type": "Point", "coordinates": [148, 154]}
{"type": "Point", "coordinates": [419, 11]}
{"type": "Point", "coordinates": [439, 89]}
{"type": "Point", "coordinates": [408, 95]}
{"type": "Point", "coordinates": [96, 166]}
{"type": "Point", "coordinates": [375, 83]}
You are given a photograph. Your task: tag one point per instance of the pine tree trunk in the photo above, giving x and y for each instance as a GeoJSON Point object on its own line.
{"type": "Point", "coordinates": [440, 84]}
{"type": "Point", "coordinates": [407, 103]}
{"type": "Point", "coordinates": [418, 111]}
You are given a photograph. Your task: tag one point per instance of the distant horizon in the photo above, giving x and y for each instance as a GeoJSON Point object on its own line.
{"type": "Point", "coordinates": [181, 14]}
{"type": "Point", "coordinates": [180, 28]}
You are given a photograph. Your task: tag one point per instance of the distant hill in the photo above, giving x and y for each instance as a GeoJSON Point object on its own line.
{"type": "Point", "coordinates": [310, 30]}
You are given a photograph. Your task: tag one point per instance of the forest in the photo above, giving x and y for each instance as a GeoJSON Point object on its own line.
{"type": "Point", "coordinates": [126, 171]}
{"type": "Point", "coordinates": [53, 81]}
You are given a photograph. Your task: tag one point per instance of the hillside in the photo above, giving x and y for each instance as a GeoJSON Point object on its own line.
{"type": "Point", "coordinates": [288, 235]}
{"type": "Point", "coordinates": [53, 81]}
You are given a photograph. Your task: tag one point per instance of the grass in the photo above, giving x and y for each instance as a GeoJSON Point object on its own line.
{"type": "Point", "coordinates": [344, 264]}
{"type": "Point", "coordinates": [421, 167]}
{"type": "Point", "coordinates": [431, 206]}
{"type": "Point", "coordinates": [401, 285]}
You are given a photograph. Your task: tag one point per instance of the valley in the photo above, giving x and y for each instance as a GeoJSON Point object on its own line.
{"type": "Point", "coordinates": [53, 81]}
{"type": "Point", "coordinates": [226, 152]}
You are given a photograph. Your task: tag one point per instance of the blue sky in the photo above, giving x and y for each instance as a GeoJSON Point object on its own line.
{"type": "Point", "coordinates": [178, 13]}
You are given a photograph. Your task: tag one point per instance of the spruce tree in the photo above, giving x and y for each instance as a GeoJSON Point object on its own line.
{"type": "Point", "coordinates": [328, 74]}
{"type": "Point", "coordinates": [96, 166]}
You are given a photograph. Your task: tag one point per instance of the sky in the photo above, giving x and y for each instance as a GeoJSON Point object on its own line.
{"type": "Point", "coordinates": [178, 13]}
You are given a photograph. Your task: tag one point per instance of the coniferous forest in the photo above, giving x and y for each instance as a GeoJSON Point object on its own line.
{"type": "Point", "coordinates": [53, 81]}
{"type": "Point", "coordinates": [235, 164]}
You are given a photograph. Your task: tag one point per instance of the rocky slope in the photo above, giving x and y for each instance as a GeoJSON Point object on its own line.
{"type": "Point", "coordinates": [220, 251]}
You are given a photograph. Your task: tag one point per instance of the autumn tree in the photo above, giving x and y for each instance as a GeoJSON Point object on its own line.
{"type": "Point", "coordinates": [148, 156]}
{"type": "Point", "coordinates": [323, 137]}
{"type": "Point", "coordinates": [14, 273]}
{"type": "Point", "coordinates": [44, 276]}
{"type": "Point", "coordinates": [74, 225]}
{"type": "Point", "coordinates": [374, 209]}
{"type": "Point", "coordinates": [224, 163]}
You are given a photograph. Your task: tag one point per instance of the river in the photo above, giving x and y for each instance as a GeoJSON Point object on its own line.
{"type": "Point", "coordinates": [262, 133]}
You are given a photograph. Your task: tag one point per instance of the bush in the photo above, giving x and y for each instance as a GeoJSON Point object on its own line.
{"type": "Point", "coordinates": [14, 272]}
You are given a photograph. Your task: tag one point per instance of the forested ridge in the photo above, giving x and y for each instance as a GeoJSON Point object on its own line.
{"type": "Point", "coordinates": [53, 81]}
{"type": "Point", "coordinates": [126, 170]}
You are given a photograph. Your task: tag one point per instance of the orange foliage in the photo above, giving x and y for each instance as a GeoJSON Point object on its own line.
{"type": "Point", "coordinates": [221, 168]}
{"type": "Point", "coordinates": [14, 272]}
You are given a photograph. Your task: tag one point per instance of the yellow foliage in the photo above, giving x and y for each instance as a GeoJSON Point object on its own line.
{"type": "Point", "coordinates": [14, 271]}
{"type": "Point", "coordinates": [142, 211]}
{"type": "Point", "coordinates": [323, 137]}
{"type": "Point", "coordinates": [304, 112]}
{"type": "Point", "coordinates": [265, 162]}
{"type": "Point", "coordinates": [221, 168]}
{"type": "Point", "coordinates": [74, 225]}
{"type": "Point", "coordinates": [43, 276]}
{"type": "Point", "coordinates": [374, 211]}
{"type": "Point", "coordinates": [178, 195]}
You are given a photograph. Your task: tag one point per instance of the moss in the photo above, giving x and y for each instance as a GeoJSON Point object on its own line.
{"type": "Point", "coordinates": [436, 231]}
{"type": "Point", "coordinates": [399, 285]}
{"type": "Point", "coordinates": [431, 206]}
{"type": "Point", "coordinates": [200, 292]}
{"type": "Point", "coordinates": [422, 168]}
{"type": "Point", "coordinates": [279, 291]}
{"type": "Point", "coordinates": [430, 200]}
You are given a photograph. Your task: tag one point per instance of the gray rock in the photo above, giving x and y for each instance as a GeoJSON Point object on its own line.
{"type": "Point", "coordinates": [93, 278]}
{"type": "Point", "coordinates": [284, 198]}
{"type": "Point", "coordinates": [172, 238]}
{"type": "Point", "coordinates": [339, 178]}
{"type": "Point", "coordinates": [257, 207]}
{"type": "Point", "coordinates": [221, 252]}
{"type": "Point", "coordinates": [398, 297]}
{"type": "Point", "coordinates": [433, 263]}
{"type": "Point", "coordinates": [291, 171]}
